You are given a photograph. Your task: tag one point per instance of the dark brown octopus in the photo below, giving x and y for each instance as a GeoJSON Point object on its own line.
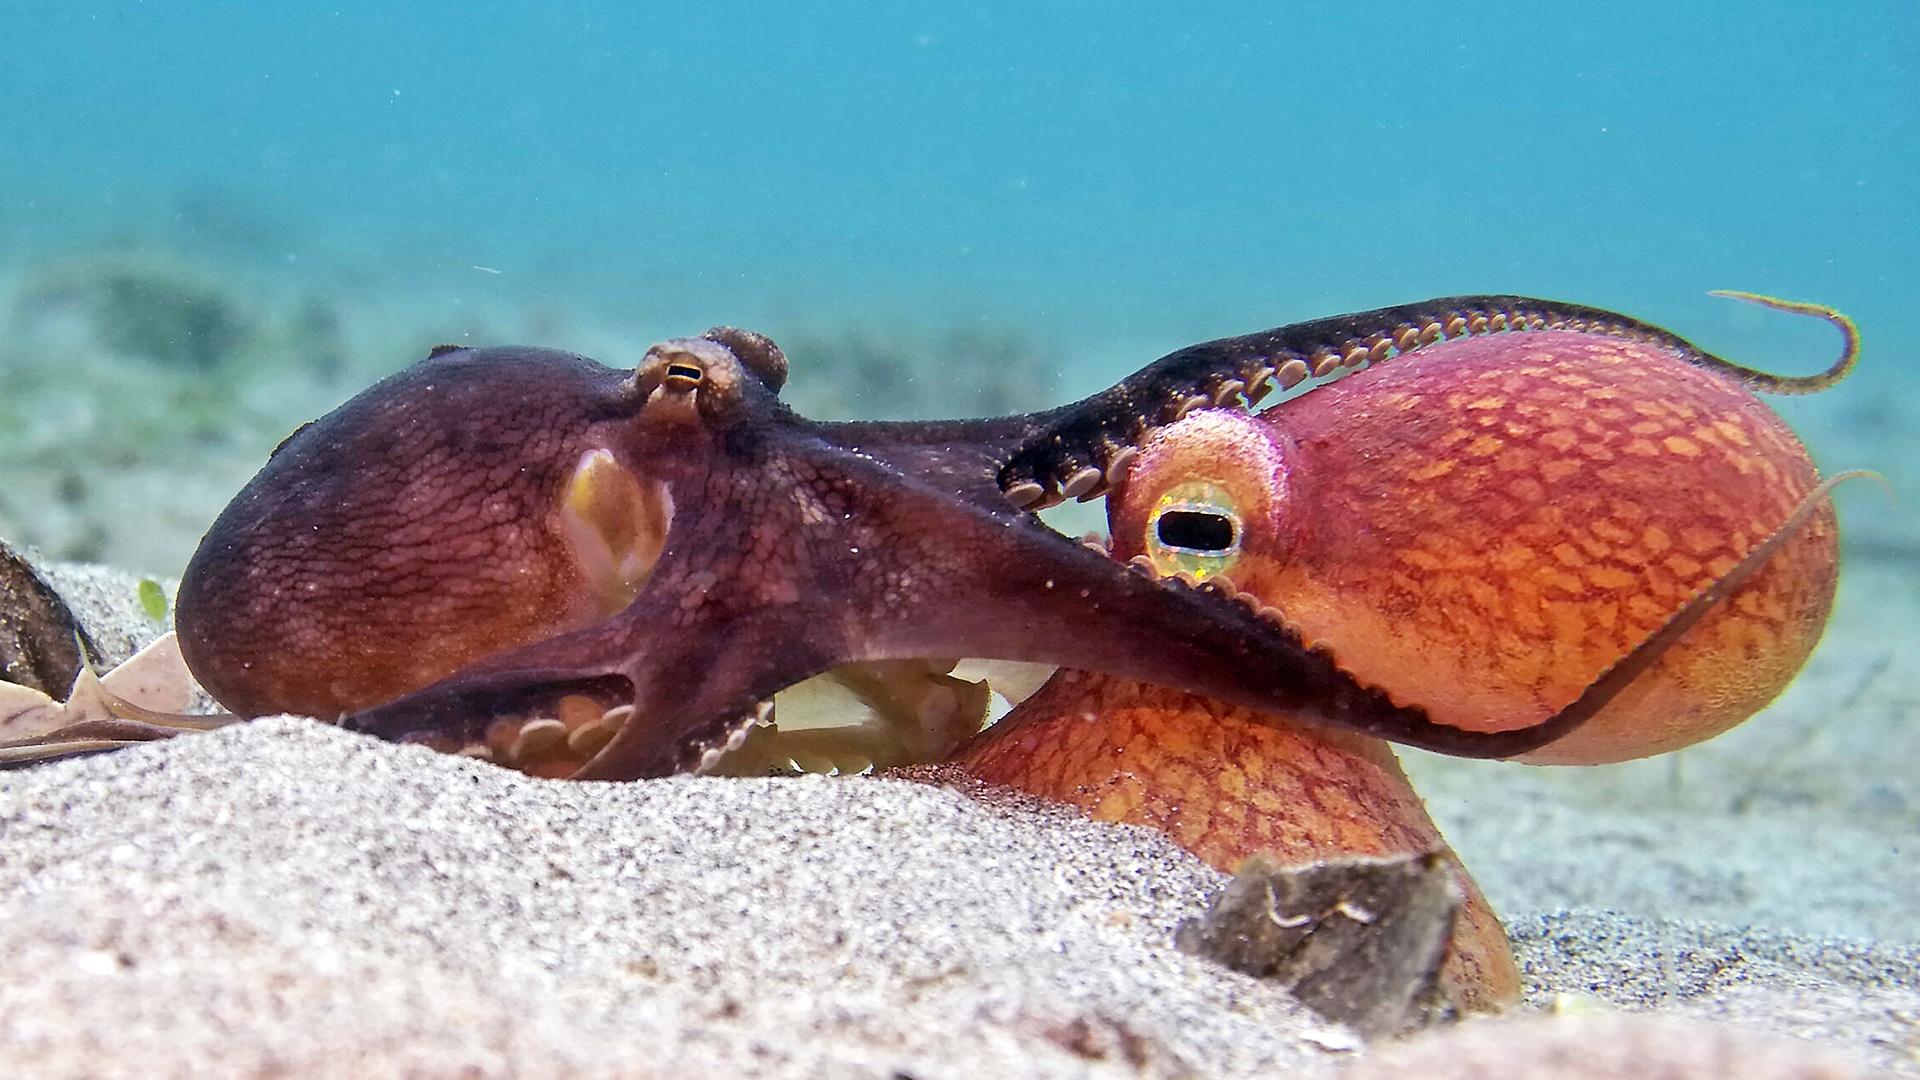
{"type": "Point", "coordinates": [516, 532]}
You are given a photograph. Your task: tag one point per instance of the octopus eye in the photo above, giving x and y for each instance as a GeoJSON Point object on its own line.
{"type": "Point", "coordinates": [1194, 529]}
{"type": "Point", "coordinates": [1197, 531]}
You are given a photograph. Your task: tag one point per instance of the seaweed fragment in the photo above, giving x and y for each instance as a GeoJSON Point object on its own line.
{"type": "Point", "coordinates": [1358, 940]}
{"type": "Point", "coordinates": [153, 599]}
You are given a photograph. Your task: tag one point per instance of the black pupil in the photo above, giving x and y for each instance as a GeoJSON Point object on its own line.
{"type": "Point", "coordinates": [1196, 530]}
{"type": "Point", "coordinates": [683, 371]}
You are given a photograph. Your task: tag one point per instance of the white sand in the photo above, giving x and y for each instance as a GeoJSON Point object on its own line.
{"type": "Point", "coordinates": [285, 898]}
{"type": "Point", "coordinates": [288, 896]}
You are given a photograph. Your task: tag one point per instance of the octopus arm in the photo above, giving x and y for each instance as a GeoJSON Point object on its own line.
{"type": "Point", "coordinates": [1078, 450]}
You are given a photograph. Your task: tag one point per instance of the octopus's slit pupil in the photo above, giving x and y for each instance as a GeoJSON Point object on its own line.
{"type": "Point", "coordinates": [1197, 530]}
{"type": "Point", "coordinates": [683, 371]}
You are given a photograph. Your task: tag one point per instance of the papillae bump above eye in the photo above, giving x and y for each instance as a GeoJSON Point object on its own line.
{"type": "Point", "coordinates": [1194, 529]}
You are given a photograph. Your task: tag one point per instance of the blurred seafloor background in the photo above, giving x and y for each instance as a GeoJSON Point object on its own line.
{"type": "Point", "coordinates": [221, 220]}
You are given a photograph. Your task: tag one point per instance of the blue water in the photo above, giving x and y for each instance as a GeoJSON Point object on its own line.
{"type": "Point", "coordinates": [1154, 174]}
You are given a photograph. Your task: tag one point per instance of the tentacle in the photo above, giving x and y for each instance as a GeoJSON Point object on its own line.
{"type": "Point", "coordinates": [1245, 653]}
{"type": "Point", "coordinates": [517, 687]}
{"type": "Point", "coordinates": [697, 666]}
{"type": "Point", "coordinates": [1643, 656]}
{"type": "Point", "coordinates": [1766, 383]}
{"type": "Point", "coordinates": [105, 712]}
{"type": "Point", "coordinates": [657, 720]}
{"type": "Point", "coordinates": [19, 755]}
{"type": "Point", "coordinates": [98, 735]}
{"type": "Point", "coordinates": [1077, 451]}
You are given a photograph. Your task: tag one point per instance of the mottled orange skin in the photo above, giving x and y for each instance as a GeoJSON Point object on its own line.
{"type": "Point", "coordinates": [1484, 526]}
{"type": "Point", "coordinates": [1480, 528]}
{"type": "Point", "coordinates": [1226, 782]}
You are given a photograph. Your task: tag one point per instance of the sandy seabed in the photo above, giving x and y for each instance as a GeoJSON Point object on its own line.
{"type": "Point", "coordinates": [285, 898]}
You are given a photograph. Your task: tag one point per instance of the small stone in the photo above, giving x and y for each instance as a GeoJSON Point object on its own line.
{"type": "Point", "coordinates": [41, 643]}
{"type": "Point", "coordinates": [1358, 940]}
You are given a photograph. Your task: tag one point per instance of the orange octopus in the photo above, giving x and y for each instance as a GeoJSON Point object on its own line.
{"type": "Point", "coordinates": [1484, 526]}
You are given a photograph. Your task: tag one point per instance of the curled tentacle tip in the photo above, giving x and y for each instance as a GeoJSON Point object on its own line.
{"type": "Point", "coordinates": [1877, 477]}
{"type": "Point", "coordinates": [1799, 307]}
{"type": "Point", "coordinates": [1804, 384]}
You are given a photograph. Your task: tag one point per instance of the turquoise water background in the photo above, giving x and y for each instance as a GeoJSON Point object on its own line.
{"type": "Point", "coordinates": [1111, 172]}
{"type": "Point", "coordinates": [1112, 181]}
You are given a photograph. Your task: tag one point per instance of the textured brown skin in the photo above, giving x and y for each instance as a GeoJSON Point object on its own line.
{"type": "Point", "coordinates": [408, 535]}
{"type": "Point", "coordinates": [795, 547]}
{"type": "Point", "coordinates": [1484, 526]}
{"type": "Point", "coordinates": [413, 532]}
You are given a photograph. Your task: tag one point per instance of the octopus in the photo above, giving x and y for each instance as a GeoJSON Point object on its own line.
{"type": "Point", "coordinates": [1492, 526]}
{"type": "Point", "coordinates": [1485, 526]}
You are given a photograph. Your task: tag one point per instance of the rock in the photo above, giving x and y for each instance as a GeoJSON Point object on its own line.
{"type": "Point", "coordinates": [42, 644]}
{"type": "Point", "coordinates": [1358, 940]}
